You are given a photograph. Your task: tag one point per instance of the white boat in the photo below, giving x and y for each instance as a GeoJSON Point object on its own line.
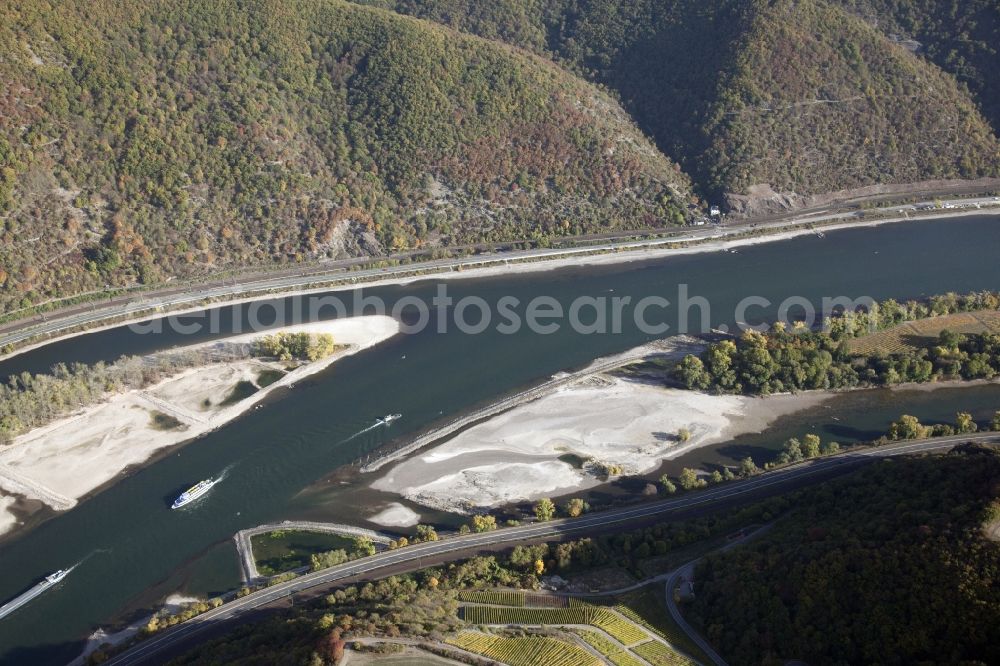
{"type": "Point", "coordinates": [51, 580]}
{"type": "Point", "coordinates": [389, 418]}
{"type": "Point", "coordinates": [194, 492]}
{"type": "Point", "coordinates": [54, 578]}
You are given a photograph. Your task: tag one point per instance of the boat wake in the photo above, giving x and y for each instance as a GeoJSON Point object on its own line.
{"type": "Point", "coordinates": [360, 432]}
{"type": "Point", "coordinates": [96, 551]}
{"type": "Point", "coordinates": [384, 421]}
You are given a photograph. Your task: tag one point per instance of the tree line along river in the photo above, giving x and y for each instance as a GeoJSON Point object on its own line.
{"type": "Point", "coordinates": [133, 549]}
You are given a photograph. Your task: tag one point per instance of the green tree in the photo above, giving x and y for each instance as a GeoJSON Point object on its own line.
{"type": "Point", "coordinates": [964, 424]}
{"type": "Point", "coordinates": [484, 523]}
{"type": "Point", "coordinates": [829, 448]}
{"type": "Point", "coordinates": [544, 509]}
{"type": "Point", "coordinates": [810, 445]}
{"type": "Point", "coordinates": [950, 340]}
{"type": "Point", "coordinates": [668, 485]}
{"type": "Point", "coordinates": [330, 558]}
{"type": "Point", "coordinates": [995, 424]}
{"type": "Point", "coordinates": [757, 366]}
{"type": "Point", "coordinates": [363, 547]}
{"type": "Point", "coordinates": [791, 451]}
{"type": "Point", "coordinates": [719, 364]}
{"type": "Point", "coordinates": [576, 507]}
{"type": "Point", "coordinates": [426, 533]}
{"type": "Point", "coordinates": [908, 427]}
{"type": "Point", "coordinates": [691, 371]}
{"type": "Point", "coordinates": [689, 479]}
{"type": "Point", "coordinates": [748, 468]}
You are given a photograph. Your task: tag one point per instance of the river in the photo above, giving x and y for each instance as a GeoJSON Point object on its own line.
{"type": "Point", "coordinates": [133, 550]}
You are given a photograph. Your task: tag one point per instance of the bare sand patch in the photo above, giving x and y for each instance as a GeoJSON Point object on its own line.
{"type": "Point", "coordinates": [408, 656]}
{"type": "Point", "coordinates": [70, 457]}
{"type": "Point", "coordinates": [515, 456]}
{"type": "Point", "coordinates": [173, 604]}
{"type": "Point", "coordinates": [202, 391]}
{"type": "Point", "coordinates": [106, 439]}
{"type": "Point", "coordinates": [396, 515]}
{"type": "Point", "coordinates": [7, 518]}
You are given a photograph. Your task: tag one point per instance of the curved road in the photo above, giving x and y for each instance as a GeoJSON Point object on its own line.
{"type": "Point", "coordinates": [686, 570]}
{"type": "Point", "coordinates": [731, 492]}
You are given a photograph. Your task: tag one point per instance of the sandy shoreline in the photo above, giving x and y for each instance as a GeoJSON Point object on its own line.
{"type": "Point", "coordinates": [173, 604]}
{"type": "Point", "coordinates": [947, 384]}
{"type": "Point", "coordinates": [69, 458]}
{"type": "Point", "coordinates": [607, 420]}
{"type": "Point", "coordinates": [578, 257]}
{"type": "Point", "coordinates": [7, 519]}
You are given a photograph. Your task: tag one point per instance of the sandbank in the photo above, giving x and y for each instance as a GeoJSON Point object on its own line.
{"type": "Point", "coordinates": [396, 515]}
{"type": "Point", "coordinates": [557, 444]}
{"type": "Point", "coordinates": [71, 457]}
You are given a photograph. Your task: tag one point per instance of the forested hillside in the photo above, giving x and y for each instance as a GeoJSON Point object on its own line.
{"type": "Point", "coordinates": [805, 96]}
{"type": "Point", "coordinates": [961, 36]}
{"type": "Point", "coordinates": [891, 565]}
{"type": "Point", "coordinates": [819, 101]}
{"type": "Point", "coordinates": [142, 140]}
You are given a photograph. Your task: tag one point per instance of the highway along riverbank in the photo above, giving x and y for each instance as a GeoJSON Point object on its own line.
{"type": "Point", "coordinates": [41, 329]}
{"type": "Point", "coordinates": [135, 551]}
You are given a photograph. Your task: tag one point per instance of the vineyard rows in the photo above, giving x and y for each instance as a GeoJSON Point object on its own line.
{"type": "Point", "coordinates": [621, 629]}
{"type": "Point", "coordinates": [524, 651]}
{"type": "Point", "coordinates": [659, 654]}
{"type": "Point", "coordinates": [498, 597]}
{"type": "Point", "coordinates": [613, 652]}
{"type": "Point", "coordinates": [544, 600]}
{"type": "Point", "coordinates": [673, 635]}
{"type": "Point", "coordinates": [901, 338]}
{"type": "Point", "coordinates": [491, 615]}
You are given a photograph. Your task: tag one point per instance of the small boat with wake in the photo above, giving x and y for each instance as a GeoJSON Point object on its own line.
{"type": "Point", "coordinates": [388, 418]}
{"type": "Point", "coordinates": [47, 583]}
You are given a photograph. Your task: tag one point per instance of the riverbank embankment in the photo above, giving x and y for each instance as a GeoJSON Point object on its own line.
{"type": "Point", "coordinates": [244, 543]}
{"type": "Point", "coordinates": [62, 325]}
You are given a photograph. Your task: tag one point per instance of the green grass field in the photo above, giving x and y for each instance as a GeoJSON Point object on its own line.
{"type": "Point", "coordinates": [279, 551]}
{"type": "Point", "coordinates": [267, 377]}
